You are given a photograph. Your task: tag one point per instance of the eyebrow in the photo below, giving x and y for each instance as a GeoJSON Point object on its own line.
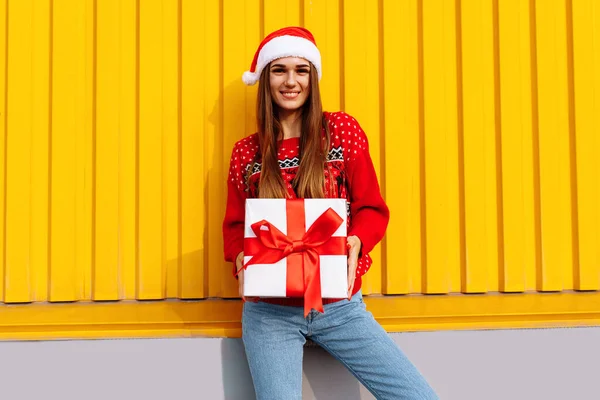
{"type": "Point", "coordinates": [283, 66]}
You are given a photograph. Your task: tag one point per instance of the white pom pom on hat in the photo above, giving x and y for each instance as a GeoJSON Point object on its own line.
{"type": "Point", "coordinates": [291, 41]}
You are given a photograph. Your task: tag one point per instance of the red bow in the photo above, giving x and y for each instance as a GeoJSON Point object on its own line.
{"type": "Point", "coordinates": [302, 249]}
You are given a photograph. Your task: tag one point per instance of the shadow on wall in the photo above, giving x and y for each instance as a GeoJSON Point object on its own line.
{"type": "Point", "coordinates": [227, 121]}
{"type": "Point", "coordinates": [237, 382]}
{"type": "Point", "coordinates": [324, 378]}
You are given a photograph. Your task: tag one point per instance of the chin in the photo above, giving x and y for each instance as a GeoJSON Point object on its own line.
{"type": "Point", "coordinates": [291, 106]}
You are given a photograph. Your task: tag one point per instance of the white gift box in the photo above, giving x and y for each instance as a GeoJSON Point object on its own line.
{"type": "Point", "coordinates": [269, 280]}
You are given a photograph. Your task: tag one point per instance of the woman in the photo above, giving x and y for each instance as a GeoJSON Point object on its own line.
{"type": "Point", "coordinates": [302, 152]}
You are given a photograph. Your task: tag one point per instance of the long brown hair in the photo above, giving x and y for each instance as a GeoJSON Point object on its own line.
{"type": "Point", "coordinates": [314, 147]}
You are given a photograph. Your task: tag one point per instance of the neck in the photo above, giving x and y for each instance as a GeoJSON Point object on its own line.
{"type": "Point", "coordinates": [291, 123]}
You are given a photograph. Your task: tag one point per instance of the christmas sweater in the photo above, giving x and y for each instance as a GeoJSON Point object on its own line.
{"type": "Point", "coordinates": [349, 167]}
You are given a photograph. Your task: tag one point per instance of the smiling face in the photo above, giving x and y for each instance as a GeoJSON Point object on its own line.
{"type": "Point", "coordinates": [289, 79]}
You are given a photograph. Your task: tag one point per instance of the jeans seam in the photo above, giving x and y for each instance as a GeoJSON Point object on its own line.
{"type": "Point", "coordinates": [333, 353]}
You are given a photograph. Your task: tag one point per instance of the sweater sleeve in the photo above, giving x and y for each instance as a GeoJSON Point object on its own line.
{"type": "Point", "coordinates": [368, 212]}
{"type": "Point", "coordinates": [233, 224]}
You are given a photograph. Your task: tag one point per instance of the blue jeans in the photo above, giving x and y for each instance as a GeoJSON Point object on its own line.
{"type": "Point", "coordinates": [274, 336]}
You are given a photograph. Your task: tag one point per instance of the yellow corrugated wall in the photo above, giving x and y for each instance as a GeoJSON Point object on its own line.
{"type": "Point", "coordinates": [118, 118]}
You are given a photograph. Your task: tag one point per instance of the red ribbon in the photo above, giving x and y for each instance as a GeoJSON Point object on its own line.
{"type": "Point", "coordinates": [301, 247]}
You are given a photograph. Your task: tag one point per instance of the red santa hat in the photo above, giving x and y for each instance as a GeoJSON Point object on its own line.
{"type": "Point", "coordinates": [286, 42]}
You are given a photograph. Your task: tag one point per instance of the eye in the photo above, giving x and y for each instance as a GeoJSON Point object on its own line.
{"type": "Point", "coordinates": [303, 71]}
{"type": "Point", "coordinates": [277, 70]}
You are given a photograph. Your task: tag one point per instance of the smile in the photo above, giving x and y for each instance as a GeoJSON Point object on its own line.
{"type": "Point", "coordinates": [290, 95]}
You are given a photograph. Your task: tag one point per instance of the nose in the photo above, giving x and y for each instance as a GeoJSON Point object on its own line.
{"type": "Point", "coordinates": [291, 78]}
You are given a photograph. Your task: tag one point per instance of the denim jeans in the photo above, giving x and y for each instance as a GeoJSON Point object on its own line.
{"type": "Point", "coordinates": [274, 336]}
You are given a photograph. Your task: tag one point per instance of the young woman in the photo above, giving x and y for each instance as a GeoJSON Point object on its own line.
{"type": "Point", "coordinates": [302, 152]}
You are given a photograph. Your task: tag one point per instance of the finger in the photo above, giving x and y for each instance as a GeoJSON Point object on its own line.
{"type": "Point", "coordinates": [351, 277]}
{"type": "Point", "coordinates": [351, 280]}
{"type": "Point", "coordinates": [355, 249]}
{"type": "Point", "coordinates": [351, 274]}
{"type": "Point", "coordinates": [350, 290]}
{"type": "Point", "coordinates": [352, 265]}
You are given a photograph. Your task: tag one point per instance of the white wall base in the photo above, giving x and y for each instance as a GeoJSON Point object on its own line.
{"type": "Point", "coordinates": [461, 365]}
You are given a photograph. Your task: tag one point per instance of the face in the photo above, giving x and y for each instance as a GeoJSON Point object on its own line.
{"type": "Point", "coordinates": [289, 78]}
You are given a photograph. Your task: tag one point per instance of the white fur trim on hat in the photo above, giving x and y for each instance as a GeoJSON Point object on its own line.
{"type": "Point", "coordinates": [249, 78]}
{"type": "Point", "coordinates": [284, 46]}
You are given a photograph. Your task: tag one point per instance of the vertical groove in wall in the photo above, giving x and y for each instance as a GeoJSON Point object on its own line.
{"type": "Point", "coordinates": [180, 277]}
{"type": "Point", "coordinates": [89, 120]}
{"type": "Point", "coordinates": [137, 148]}
{"type": "Point", "coordinates": [422, 153]}
{"type": "Point", "coordinates": [39, 154]}
{"type": "Point", "coordinates": [94, 127]}
{"type": "Point", "coordinates": [498, 144]}
{"type": "Point", "coordinates": [461, 146]}
{"type": "Point", "coordinates": [261, 16]}
{"type": "Point", "coordinates": [127, 125]}
{"type": "Point", "coordinates": [221, 114]}
{"type": "Point", "coordinates": [120, 276]}
{"type": "Point", "coordinates": [46, 283]}
{"type": "Point", "coordinates": [572, 145]}
{"type": "Point", "coordinates": [4, 157]}
{"type": "Point", "coordinates": [218, 118]}
{"type": "Point", "coordinates": [50, 130]}
{"type": "Point", "coordinates": [536, 143]}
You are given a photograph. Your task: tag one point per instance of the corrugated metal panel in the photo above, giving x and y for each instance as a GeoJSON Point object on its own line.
{"type": "Point", "coordinates": [118, 119]}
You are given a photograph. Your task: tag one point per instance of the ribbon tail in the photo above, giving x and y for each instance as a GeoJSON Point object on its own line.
{"type": "Point", "coordinates": [312, 282]}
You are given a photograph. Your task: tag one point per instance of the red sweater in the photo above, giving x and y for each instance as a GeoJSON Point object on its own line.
{"type": "Point", "coordinates": [354, 177]}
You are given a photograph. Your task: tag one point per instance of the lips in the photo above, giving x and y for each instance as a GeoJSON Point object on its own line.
{"type": "Point", "coordinates": [290, 95]}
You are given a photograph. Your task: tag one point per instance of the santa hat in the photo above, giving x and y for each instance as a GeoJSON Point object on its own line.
{"type": "Point", "coordinates": [286, 42]}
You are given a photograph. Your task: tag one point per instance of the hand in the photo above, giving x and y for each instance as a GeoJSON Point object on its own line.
{"type": "Point", "coordinates": [239, 265]}
{"type": "Point", "coordinates": [354, 246]}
